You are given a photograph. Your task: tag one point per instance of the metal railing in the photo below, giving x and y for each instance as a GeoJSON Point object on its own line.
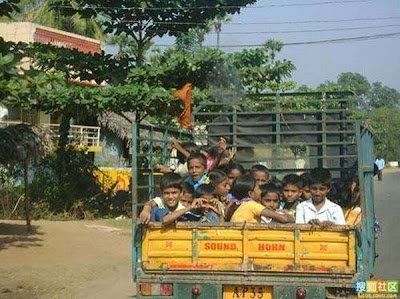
{"type": "Point", "coordinates": [81, 135]}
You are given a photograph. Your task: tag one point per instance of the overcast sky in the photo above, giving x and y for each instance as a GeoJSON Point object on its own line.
{"type": "Point", "coordinates": [378, 59]}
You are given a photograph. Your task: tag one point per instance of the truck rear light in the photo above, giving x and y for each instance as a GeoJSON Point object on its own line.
{"type": "Point", "coordinates": [156, 289]}
{"type": "Point", "coordinates": [196, 290]}
{"type": "Point", "coordinates": [301, 293]}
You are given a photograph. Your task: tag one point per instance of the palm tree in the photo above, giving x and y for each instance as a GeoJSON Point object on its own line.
{"type": "Point", "coordinates": [40, 12]}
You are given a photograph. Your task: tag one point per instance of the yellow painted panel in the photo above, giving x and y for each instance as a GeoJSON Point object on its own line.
{"type": "Point", "coordinates": [247, 292]}
{"type": "Point", "coordinates": [219, 234]}
{"type": "Point", "coordinates": [239, 249]}
{"type": "Point", "coordinates": [270, 235]}
{"type": "Point", "coordinates": [281, 265]}
{"type": "Point", "coordinates": [170, 234]}
{"type": "Point", "coordinates": [213, 248]}
{"type": "Point", "coordinates": [94, 149]}
{"type": "Point", "coordinates": [324, 236]}
{"type": "Point", "coordinates": [324, 250]}
{"type": "Point", "coordinates": [167, 248]}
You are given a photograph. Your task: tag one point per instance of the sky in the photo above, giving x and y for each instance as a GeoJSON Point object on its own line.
{"type": "Point", "coordinates": [378, 59]}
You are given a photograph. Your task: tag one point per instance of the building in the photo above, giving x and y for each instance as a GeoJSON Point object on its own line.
{"type": "Point", "coordinates": [30, 32]}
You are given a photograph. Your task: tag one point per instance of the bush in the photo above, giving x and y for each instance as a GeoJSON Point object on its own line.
{"type": "Point", "coordinates": [10, 191]}
{"type": "Point", "coordinates": [64, 183]}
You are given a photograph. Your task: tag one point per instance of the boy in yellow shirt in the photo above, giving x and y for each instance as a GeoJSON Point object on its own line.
{"type": "Point", "coordinates": [248, 194]}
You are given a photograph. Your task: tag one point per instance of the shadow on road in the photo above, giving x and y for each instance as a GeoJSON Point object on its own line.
{"type": "Point", "coordinates": [17, 235]}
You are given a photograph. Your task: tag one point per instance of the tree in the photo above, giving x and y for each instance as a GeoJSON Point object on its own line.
{"type": "Point", "coordinates": [38, 11]}
{"type": "Point", "coordinates": [384, 96]}
{"type": "Point", "coordinates": [386, 123]}
{"type": "Point", "coordinates": [145, 20]}
{"type": "Point", "coordinates": [260, 71]}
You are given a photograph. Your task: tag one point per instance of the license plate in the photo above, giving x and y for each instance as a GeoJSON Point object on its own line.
{"type": "Point", "coordinates": [247, 292]}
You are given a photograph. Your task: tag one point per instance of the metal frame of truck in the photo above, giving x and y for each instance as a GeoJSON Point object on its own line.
{"type": "Point", "coordinates": [284, 284]}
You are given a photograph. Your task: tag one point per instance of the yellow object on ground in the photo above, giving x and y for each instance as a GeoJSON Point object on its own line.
{"type": "Point", "coordinates": [117, 178]}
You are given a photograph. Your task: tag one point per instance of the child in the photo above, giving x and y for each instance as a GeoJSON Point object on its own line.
{"type": "Point", "coordinates": [171, 192]}
{"type": "Point", "coordinates": [210, 208]}
{"type": "Point", "coordinates": [270, 197]}
{"type": "Point", "coordinates": [233, 171]}
{"type": "Point", "coordinates": [319, 210]}
{"type": "Point", "coordinates": [204, 208]}
{"type": "Point", "coordinates": [291, 190]}
{"type": "Point", "coordinates": [180, 166]}
{"type": "Point", "coordinates": [220, 181]}
{"type": "Point", "coordinates": [250, 209]}
{"type": "Point", "coordinates": [197, 166]}
{"type": "Point", "coordinates": [261, 174]}
{"type": "Point", "coordinates": [352, 210]}
{"type": "Point", "coordinates": [187, 194]}
{"type": "Point", "coordinates": [305, 190]}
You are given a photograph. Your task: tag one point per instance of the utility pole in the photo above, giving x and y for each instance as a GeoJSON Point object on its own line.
{"type": "Point", "coordinates": [217, 28]}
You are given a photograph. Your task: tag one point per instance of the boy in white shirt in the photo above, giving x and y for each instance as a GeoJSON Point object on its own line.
{"type": "Point", "coordinates": [319, 210]}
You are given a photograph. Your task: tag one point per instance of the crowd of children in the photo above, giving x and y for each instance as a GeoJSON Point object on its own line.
{"type": "Point", "coordinates": [211, 187]}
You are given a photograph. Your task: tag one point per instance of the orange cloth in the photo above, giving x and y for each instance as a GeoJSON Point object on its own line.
{"type": "Point", "coordinates": [185, 94]}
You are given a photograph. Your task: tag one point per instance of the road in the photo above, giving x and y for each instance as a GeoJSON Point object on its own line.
{"type": "Point", "coordinates": [387, 209]}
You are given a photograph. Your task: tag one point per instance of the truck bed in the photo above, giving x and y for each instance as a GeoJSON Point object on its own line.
{"type": "Point", "coordinates": [248, 247]}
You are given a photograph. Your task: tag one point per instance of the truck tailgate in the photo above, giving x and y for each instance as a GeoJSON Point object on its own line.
{"type": "Point", "coordinates": [249, 247]}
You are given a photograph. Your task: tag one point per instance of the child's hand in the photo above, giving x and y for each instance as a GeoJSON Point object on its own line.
{"type": "Point", "coordinates": [222, 144]}
{"type": "Point", "coordinates": [144, 217]}
{"type": "Point", "coordinates": [175, 143]}
{"type": "Point", "coordinates": [327, 224]}
{"type": "Point", "coordinates": [314, 222]}
{"type": "Point", "coordinates": [197, 203]}
{"type": "Point", "coordinates": [232, 153]}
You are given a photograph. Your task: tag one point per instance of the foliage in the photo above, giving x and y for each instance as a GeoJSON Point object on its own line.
{"type": "Point", "coordinates": [384, 96]}
{"type": "Point", "coordinates": [260, 71]}
{"type": "Point", "coordinates": [145, 20]}
{"type": "Point", "coordinates": [387, 133]}
{"type": "Point", "coordinates": [68, 185]}
{"type": "Point", "coordinates": [10, 190]}
{"type": "Point", "coordinates": [39, 12]}
{"type": "Point", "coordinates": [7, 7]}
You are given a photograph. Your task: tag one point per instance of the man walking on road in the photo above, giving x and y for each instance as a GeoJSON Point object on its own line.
{"type": "Point", "coordinates": [380, 162]}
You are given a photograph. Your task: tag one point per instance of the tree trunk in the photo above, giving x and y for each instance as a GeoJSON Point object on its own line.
{"type": "Point", "coordinates": [64, 130]}
{"type": "Point", "coordinates": [27, 198]}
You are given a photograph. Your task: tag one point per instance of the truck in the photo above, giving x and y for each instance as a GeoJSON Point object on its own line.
{"type": "Point", "coordinates": [289, 133]}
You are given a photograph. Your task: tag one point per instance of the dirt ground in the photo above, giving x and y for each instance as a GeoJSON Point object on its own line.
{"type": "Point", "coordinates": [65, 259]}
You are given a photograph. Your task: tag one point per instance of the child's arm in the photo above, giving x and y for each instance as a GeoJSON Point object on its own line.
{"type": "Point", "coordinates": [171, 217]}
{"type": "Point", "coordinates": [282, 218]}
{"type": "Point", "coordinates": [175, 144]}
{"type": "Point", "coordinates": [163, 169]}
{"type": "Point", "coordinates": [225, 161]}
{"type": "Point", "coordinates": [144, 216]}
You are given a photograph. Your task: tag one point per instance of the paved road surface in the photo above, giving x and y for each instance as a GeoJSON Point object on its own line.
{"type": "Point", "coordinates": [387, 209]}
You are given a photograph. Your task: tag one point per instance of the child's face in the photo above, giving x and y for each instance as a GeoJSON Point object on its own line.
{"type": "Point", "coordinates": [261, 177]}
{"type": "Point", "coordinates": [233, 175]}
{"type": "Point", "coordinates": [196, 169]}
{"type": "Point", "coordinates": [318, 192]}
{"type": "Point", "coordinates": [186, 199]}
{"type": "Point", "coordinates": [270, 200]}
{"type": "Point", "coordinates": [206, 201]}
{"type": "Point", "coordinates": [305, 193]}
{"type": "Point", "coordinates": [223, 188]}
{"type": "Point", "coordinates": [255, 194]}
{"type": "Point", "coordinates": [171, 197]}
{"type": "Point", "coordinates": [291, 193]}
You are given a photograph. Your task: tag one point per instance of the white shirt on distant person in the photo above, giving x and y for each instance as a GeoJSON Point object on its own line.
{"type": "Point", "coordinates": [330, 211]}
